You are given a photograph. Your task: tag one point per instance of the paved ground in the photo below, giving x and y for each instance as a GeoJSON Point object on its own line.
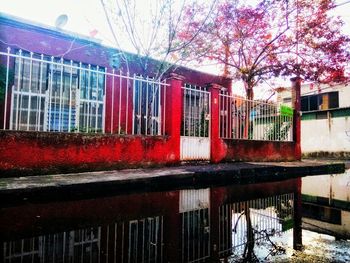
{"type": "Point", "coordinates": [185, 176]}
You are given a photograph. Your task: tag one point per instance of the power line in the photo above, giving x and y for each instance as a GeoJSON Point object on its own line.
{"type": "Point", "coordinates": [344, 3]}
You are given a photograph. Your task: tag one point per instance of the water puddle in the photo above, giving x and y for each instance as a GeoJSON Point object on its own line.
{"type": "Point", "coordinates": [246, 223]}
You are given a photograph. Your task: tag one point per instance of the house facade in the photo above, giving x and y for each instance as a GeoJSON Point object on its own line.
{"type": "Point", "coordinates": [325, 123]}
{"type": "Point", "coordinates": [68, 101]}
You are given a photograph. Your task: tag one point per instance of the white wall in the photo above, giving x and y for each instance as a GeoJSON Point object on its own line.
{"type": "Point", "coordinates": [325, 135]}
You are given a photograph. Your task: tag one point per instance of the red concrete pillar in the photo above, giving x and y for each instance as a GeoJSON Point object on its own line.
{"type": "Point", "coordinates": [217, 147]}
{"type": "Point", "coordinates": [296, 83]}
{"type": "Point", "coordinates": [217, 199]}
{"type": "Point", "coordinates": [173, 112]}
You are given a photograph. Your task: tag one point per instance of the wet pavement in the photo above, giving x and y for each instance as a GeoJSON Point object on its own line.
{"type": "Point", "coordinates": [163, 178]}
{"type": "Point", "coordinates": [143, 215]}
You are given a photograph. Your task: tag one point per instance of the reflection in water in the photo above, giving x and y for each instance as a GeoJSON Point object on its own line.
{"type": "Point", "coordinates": [81, 245]}
{"type": "Point", "coordinates": [176, 226]}
{"type": "Point", "coordinates": [263, 217]}
{"type": "Point", "coordinates": [326, 208]}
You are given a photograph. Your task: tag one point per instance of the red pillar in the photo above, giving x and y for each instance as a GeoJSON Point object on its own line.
{"type": "Point", "coordinates": [217, 146]}
{"type": "Point", "coordinates": [173, 112]}
{"type": "Point", "coordinates": [297, 228]}
{"type": "Point", "coordinates": [296, 81]}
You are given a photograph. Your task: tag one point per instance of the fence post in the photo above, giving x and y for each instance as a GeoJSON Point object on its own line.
{"type": "Point", "coordinates": [297, 228]}
{"type": "Point", "coordinates": [296, 81]}
{"type": "Point", "coordinates": [217, 149]}
{"type": "Point", "coordinates": [173, 112]}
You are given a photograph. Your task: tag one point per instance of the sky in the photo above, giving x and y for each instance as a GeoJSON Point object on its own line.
{"type": "Point", "coordinates": [85, 16]}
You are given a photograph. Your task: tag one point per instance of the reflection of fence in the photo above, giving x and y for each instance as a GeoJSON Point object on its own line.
{"type": "Point", "coordinates": [74, 246]}
{"type": "Point", "coordinates": [254, 120]}
{"type": "Point", "coordinates": [195, 235]}
{"type": "Point", "coordinates": [268, 216]}
{"type": "Point", "coordinates": [52, 94]}
{"type": "Point", "coordinates": [135, 241]}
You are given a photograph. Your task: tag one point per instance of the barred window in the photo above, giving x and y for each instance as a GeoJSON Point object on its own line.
{"type": "Point", "coordinates": [51, 94]}
{"type": "Point", "coordinates": [146, 107]}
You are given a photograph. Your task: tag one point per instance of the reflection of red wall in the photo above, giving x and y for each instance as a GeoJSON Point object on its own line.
{"type": "Point", "coordinates": [39, 219]}
{"type": "Point", "coordinates": [261, 190]}
{"type": "Point", "coordinates": [30, 220]}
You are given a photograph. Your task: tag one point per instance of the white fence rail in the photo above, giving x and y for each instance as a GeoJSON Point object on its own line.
{"type": "Point", "coordinates": [253, 120]}
{"type": "Point", "coordinates": [41, 93]}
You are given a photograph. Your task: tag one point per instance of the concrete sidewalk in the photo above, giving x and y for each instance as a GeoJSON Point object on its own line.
{"type": "Point", "coordinates": [83, 185]}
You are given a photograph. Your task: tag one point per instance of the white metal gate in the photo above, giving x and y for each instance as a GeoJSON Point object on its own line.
{"type": "Point", "coordinates": [195, 128]}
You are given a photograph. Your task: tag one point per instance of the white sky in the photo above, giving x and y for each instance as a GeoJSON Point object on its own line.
{"type": "Point", "coordinates": [87, 15]}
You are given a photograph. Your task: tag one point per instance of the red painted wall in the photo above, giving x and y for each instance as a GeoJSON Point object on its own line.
{"type": "Point", "coordinates": [40, 152]}
{"type": "Point", "coordinates": [259, 151]}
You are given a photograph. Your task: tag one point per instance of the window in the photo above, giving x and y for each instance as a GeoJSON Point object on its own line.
{"type": "Point", "coordinates": [323, 101]}
{"type": "Point", "coordinates": [145, 240]}
{"type": "Point", "coordinates": [51, 94]}
{"type": "Point", "coordinates": [287, 100]}
{"type": "Point", "coordinates": [333, 100]}
{"type": "Point", "coordinates": [146, 107]}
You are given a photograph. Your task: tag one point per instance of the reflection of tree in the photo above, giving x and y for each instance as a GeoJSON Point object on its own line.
{"type": "Point", "coordinates": [251, 232]}
{"type": "Point", "coordinates": [248, 254]}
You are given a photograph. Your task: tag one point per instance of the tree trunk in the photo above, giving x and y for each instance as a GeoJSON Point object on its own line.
{"type": "Point", "coordinates": [226, 67]}
{"type": "Point", "coordinates": [249, 104]}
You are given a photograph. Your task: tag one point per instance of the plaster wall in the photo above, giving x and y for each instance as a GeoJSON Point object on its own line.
{"type": "Point", "coordinates": [325, 135]}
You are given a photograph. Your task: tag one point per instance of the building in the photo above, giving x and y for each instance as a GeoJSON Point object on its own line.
{"type": "Point", "coordinates": [70, 103]}
{"type": "Point", "coordinates": [325, 123]}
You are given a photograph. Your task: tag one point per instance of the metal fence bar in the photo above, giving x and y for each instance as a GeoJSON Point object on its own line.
{"type": "Point", "coordinates": [253, 120]}
{"type": "Point", "coordinates": [196, 108]}
{"type": "Point", "coordinates": [56, 95]}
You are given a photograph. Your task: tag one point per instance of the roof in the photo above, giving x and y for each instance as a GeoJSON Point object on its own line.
{"type": "Point", "coordinates": [18, 22]}
{"type": "Point", "coordinates": [32, 25]}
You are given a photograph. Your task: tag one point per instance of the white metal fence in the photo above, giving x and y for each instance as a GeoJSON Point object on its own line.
{"type": "Point", "coordinates": [253, 120]}
{"type": "Point", "coordinates": [41, 93]}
